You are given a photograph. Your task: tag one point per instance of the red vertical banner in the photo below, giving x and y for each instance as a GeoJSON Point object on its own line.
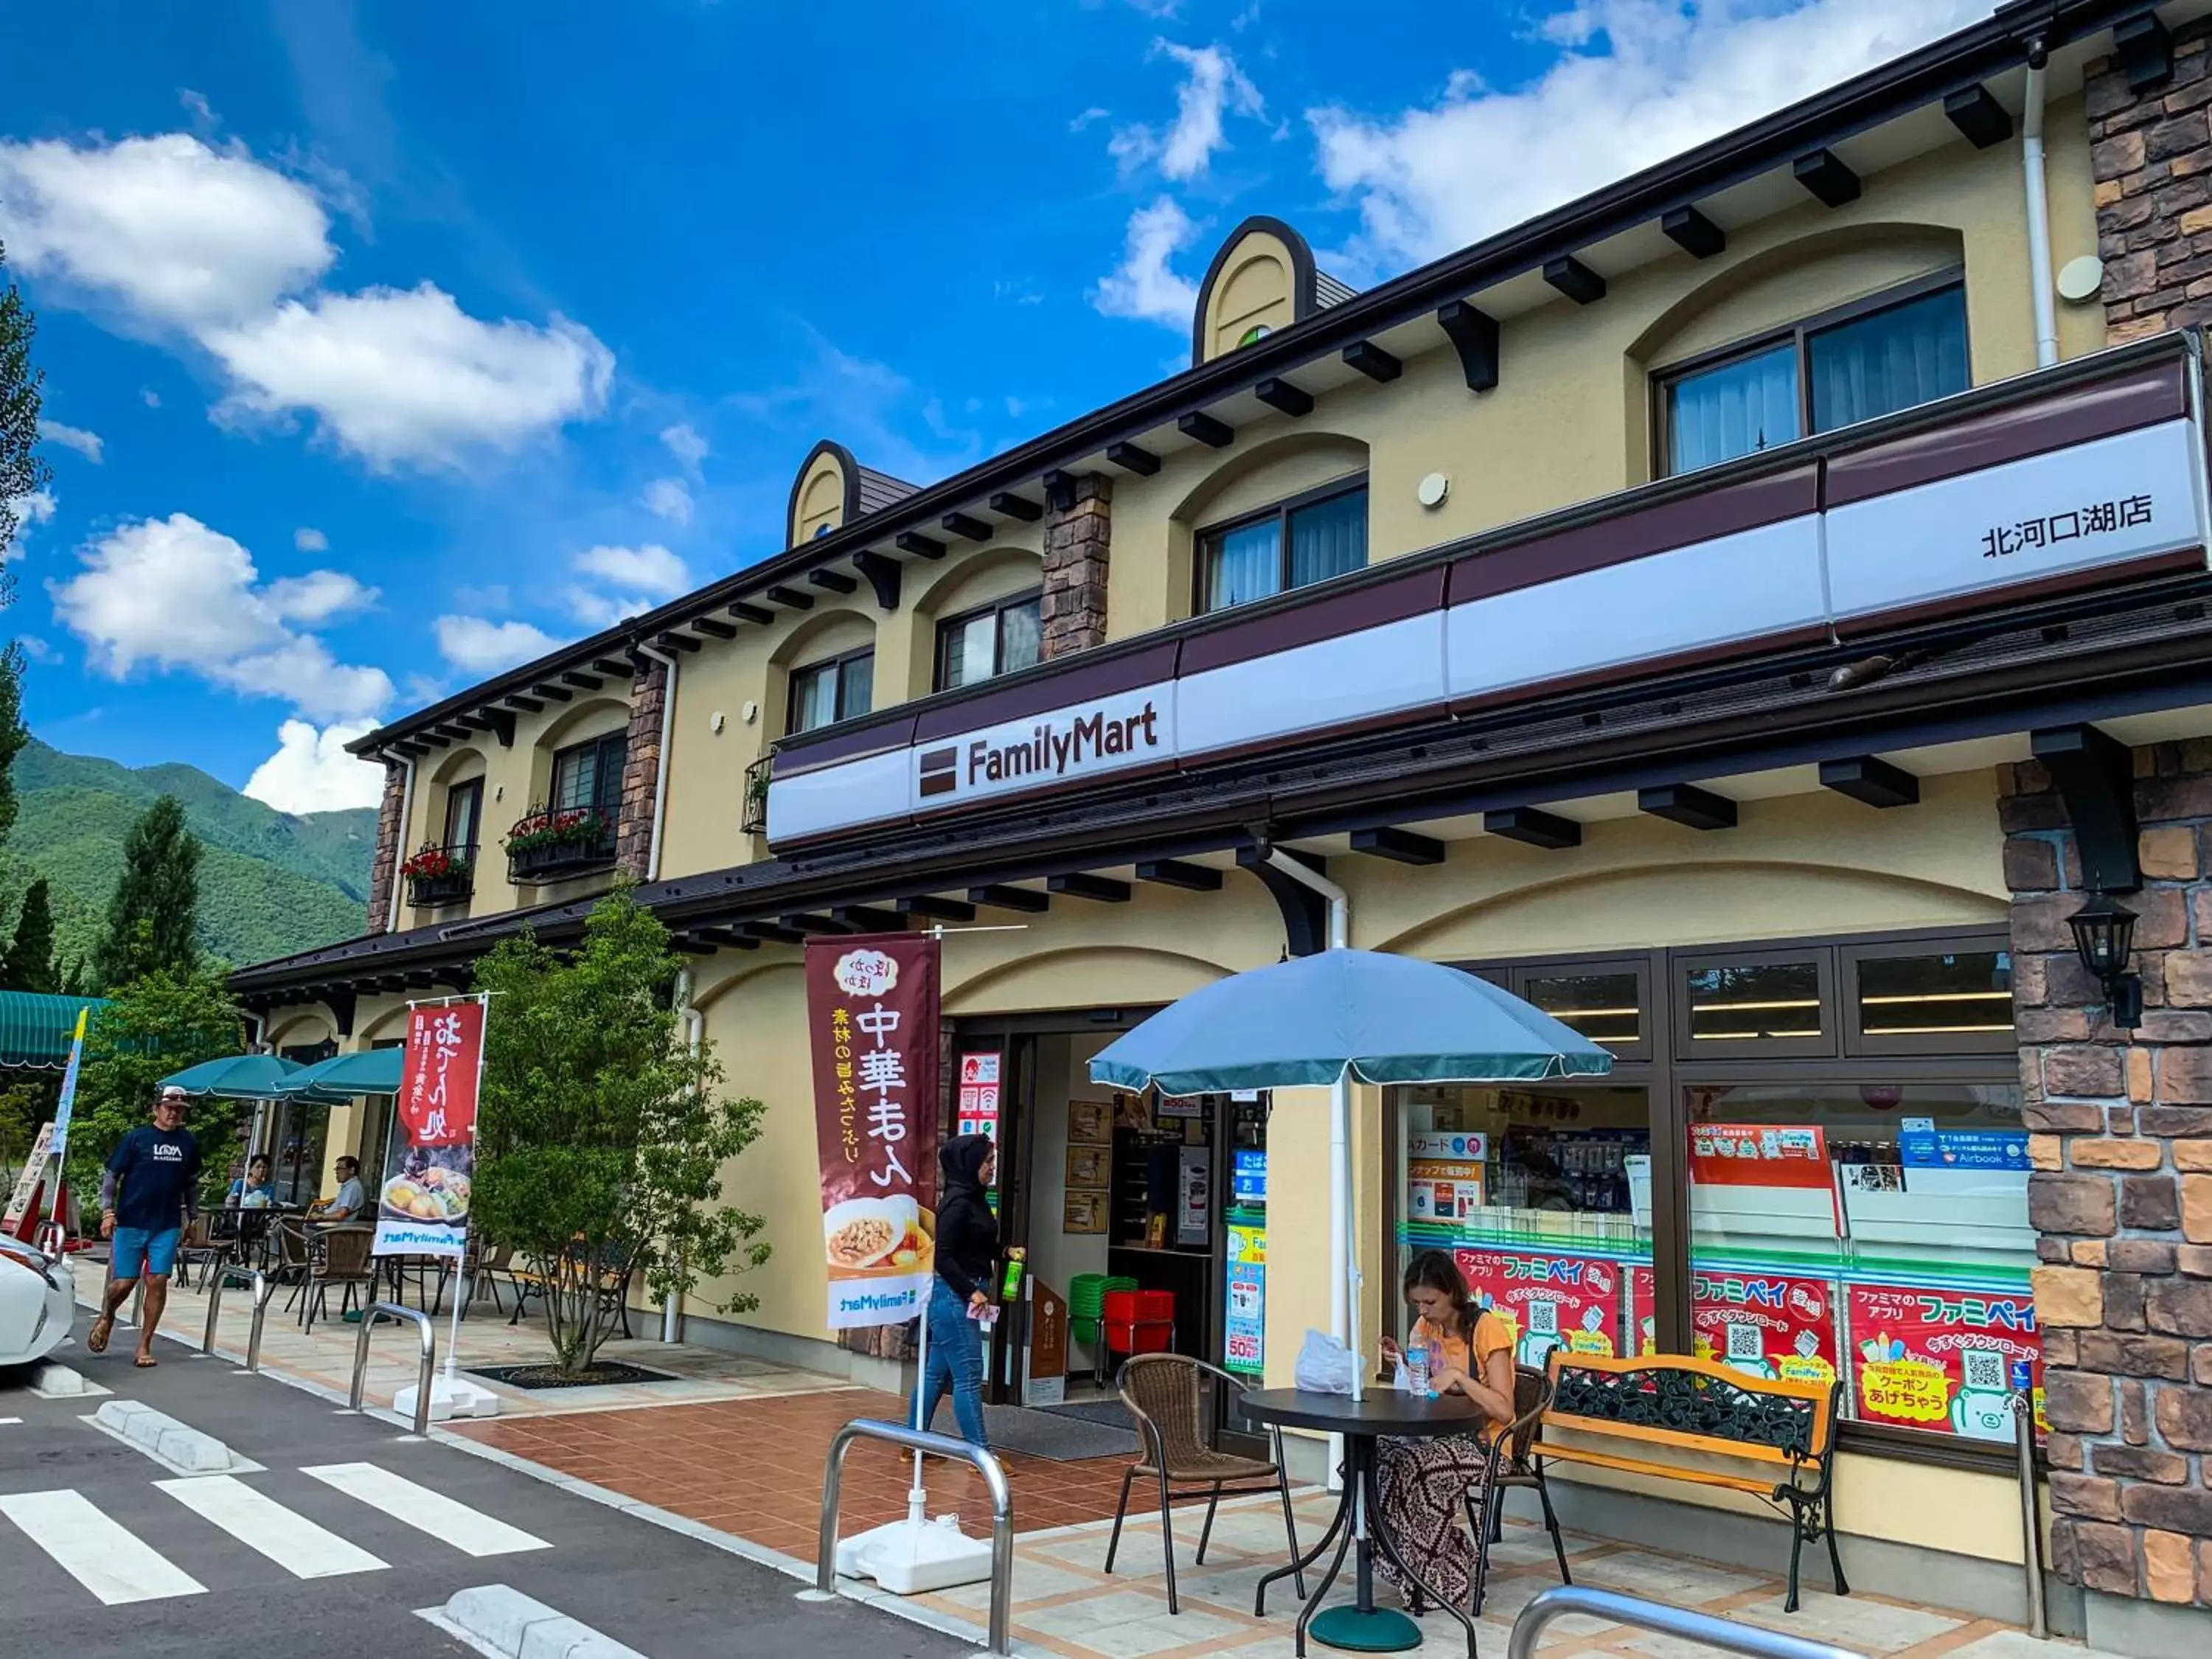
{"type": "Point", "coordinates": [423, 1206]}
{"type": "Point", "coordinates": [872, 1014]}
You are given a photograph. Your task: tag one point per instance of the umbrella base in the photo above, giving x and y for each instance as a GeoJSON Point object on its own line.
{"type": "Point", "coordinates": [1382, 1630]}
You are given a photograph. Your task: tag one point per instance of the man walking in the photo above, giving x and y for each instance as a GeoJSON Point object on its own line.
{"type": "Point", "coordinates": [149, 1192]}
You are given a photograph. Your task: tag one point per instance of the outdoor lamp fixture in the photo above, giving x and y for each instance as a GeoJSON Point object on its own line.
{"type": "Point", "coordinates": [2103, 932]}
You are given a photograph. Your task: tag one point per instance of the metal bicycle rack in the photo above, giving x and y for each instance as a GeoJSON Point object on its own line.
{"type": "Point", "coordinates": [1681, 1622]}
{"type": "Point", "coordinates": [425, 1328]}
{"type": "Point", "coordinates": [937, 1445]}
{"type": "Point", "coordinates": [260, 1282]}
{"type": "Point", "coordinates": [2031, 1520]}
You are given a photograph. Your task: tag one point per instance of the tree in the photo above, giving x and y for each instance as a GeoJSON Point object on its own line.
{"type": "Point", "coordinates": [29, 963]}
{"type": "Point", "coordinates": [22, 472]}
{"type": "Point", "coordinates": [150, 1027]}
{"type": "Point", "coordinates": [600, 1136]}
{"type": "Point", "coordinates": [154, 917]}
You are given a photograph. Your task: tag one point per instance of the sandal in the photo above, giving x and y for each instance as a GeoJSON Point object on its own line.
{"type": "Point", "coordinates": [95, 1339]}
{"type": "Point", "coordinates": [145, 1362]}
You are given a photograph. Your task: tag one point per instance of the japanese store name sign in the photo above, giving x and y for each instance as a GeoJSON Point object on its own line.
{"type": "Point", "coordinates": [424, 1208]}
{"type": "Point", "coordinates": [872, 1013]}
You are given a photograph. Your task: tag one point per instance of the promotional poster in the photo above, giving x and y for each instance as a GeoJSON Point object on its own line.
{"type": "Point", "coordinates": [423, 1207]}
{"type": "Point", "coordinates": [1550, 1301]}
{"type": "Point", "coordinates": [1766, 1325]}
{"type": "Point", "coordinates": [1929, 1358]}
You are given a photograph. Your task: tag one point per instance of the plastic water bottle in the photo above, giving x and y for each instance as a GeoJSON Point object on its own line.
{"type": "Point", "coordinates": [1417, 1368]}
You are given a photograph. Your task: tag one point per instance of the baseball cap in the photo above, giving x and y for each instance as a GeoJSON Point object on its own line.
{"type": "Point", "coordinates": [173, 1092]}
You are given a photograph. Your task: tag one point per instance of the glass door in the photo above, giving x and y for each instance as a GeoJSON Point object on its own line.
{"type": "Point", "coordinates": [1241, 1257]}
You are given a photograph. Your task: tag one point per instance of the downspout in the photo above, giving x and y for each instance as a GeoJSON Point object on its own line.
{"type": "Point", "coordinates": [2039, 279]}
{"type": "Point", "coordinates": [660, 768]}
{"type": "Point", "coordinates": [399, 843]}
{"type": "Point", "coordinates": [1342, 1316]}
{"type": "Point", "coordinates": [695, 1033]}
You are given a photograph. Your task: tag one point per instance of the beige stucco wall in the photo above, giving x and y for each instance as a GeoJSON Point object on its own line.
{"type": "Point", "coordinates": [819, 502]}
{"type": "Point", "coordinates": [1255, 288]}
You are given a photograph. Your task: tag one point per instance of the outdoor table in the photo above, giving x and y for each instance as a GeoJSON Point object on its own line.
{"type": "Point", "coordinates": [1362, 1627]}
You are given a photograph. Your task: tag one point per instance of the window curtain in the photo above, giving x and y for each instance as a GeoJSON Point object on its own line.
{"type": "Point", "coordinates": [817, 702]}
{"type": "Point", "coordinates": [1896, 359]}
{"type": "Point", "coordinates": [968, 647]}
{"type": "Point", "coordinates": [1737, 409]}
{"type": "Point", "coordinates": [1244, 564]}
{"type": "Point", "coordinates": [1328, 539]}
{"type": "Point", "coordinates": [1022, 639]}
{"type": "Point", "coordinates": [857, 688]}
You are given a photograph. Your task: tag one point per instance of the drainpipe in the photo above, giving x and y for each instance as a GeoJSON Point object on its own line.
{"type": "Point", "coordinates": [1342, 1315]}
{"type": "Point", "coordinates": [661, 768]}
{"type": "Point", "coordinates": [399, 843]}
{"type": "Point", "coordinates": [695, 1032]}
{"type": "Point", "coordinates": [2039, 211]}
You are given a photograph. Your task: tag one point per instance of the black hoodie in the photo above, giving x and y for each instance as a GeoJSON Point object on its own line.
{"type": "Point", "coordinates": [967, 1231]}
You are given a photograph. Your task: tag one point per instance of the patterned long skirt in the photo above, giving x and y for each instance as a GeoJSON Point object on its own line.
{"type": "Point", "coordinates": [1425, 1486]}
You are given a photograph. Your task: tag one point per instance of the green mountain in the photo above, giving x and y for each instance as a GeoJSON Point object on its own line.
{"type": "Point", "coordinates": [271, 883]}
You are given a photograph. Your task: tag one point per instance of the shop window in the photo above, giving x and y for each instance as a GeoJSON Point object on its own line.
{"type": "Point", "coordinates": [997, 639]}
{"type": "Point", "coordinates": [1609, 1003]}
{"type": "Point", "coordinates": [1756, 1004]}
{"type": "Point", "coordinates": [1895, 351]}
{"type": "Point", "coordinates": [588, 777]}
{"type": "Point", "coordinates": [1873, 1233]}
{"type": "Point", "coordinates": [823, 693]}
{"type": "Point", "coordinates": [1543, 1197]}
{"type": "Point", "coordinates": [1308, 538]}
{"type": "Point", "coordinates": [1918, 1001]}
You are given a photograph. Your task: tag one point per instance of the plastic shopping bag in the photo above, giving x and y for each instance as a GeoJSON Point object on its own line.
{"type": "Point", "coordinates": [1324, 1365]}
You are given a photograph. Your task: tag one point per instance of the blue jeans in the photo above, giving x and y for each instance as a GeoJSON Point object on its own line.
{"type": "Point", "coordinates": [956, 1361]}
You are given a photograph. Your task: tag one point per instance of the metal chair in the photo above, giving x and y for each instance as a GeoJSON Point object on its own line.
{"type": "Point", "coordinates": [1166, 1394]}
{"type": "Point", "coordinates": [296, 1259]}
{"type": "Point", "coordinates": [199, 1247]}
{"type": "Point", "coordinates": [344, 1260]}
{"type": "Point", "coordinates": [1515, 1461]}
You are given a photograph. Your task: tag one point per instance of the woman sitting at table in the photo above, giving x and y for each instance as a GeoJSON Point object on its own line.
{"type": "Point", "coordinates": [255, 1191]}
{"type": "Point", "coordinates": [1425, 1483]}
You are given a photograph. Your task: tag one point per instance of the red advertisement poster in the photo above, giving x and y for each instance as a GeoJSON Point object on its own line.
{"type": "Point", "coordinates": [422, 1208]}
{"type": "Point", "coordinates": [1551, 1301]}
{"type": "Point", "coordinates": [872, 1014]}
{"type": "Point", "coordinates": [1643, 1310]}
{"type": "Point", "coordinates": [1758, 1154]}
{"type": "Point", "coordinates": [1766, 1325]}
{"type": "Point", "coordinates": [1951, 1360]}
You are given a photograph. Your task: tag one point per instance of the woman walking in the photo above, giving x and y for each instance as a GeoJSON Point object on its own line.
{"type": "Point", "coordinates": [1425, 1484]}
{"type": "Point", "coordinates": [967, 1248]}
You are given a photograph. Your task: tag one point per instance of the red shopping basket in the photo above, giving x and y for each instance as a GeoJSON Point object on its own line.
{"type": "Point", "coordinates": [1138, 1321]}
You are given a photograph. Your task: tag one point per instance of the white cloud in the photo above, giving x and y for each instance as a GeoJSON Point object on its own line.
{"type": "Point", "coordinates": [1666, 75]}
{"type": "Point", "coordinates": [478, 647]}
{"type": "Point", "coordinates": [1212, 88]}
{"type": "Point", "coordinates": [651, 569]}
{"type": "Point", "coordinates": [1144, 286]}
{"type": "Point", "coordinates": [173, 592]}
{"type": "Point", "coordinates": [177, 231]}
{"type": "Point", "coordinates": [311, 771]}
{"type": "Point", "coordinates": [667, 498]}
{"type": "Point", "coordinates": [87, 444]}
{"type": "Point", "coordinates": [405, 376]}
{"type": "Point", "coordinates": [684, 444]}
{"type": "Point", "coordinates": [318, 596]}
{"type": "Point", "coordinates": [150, 398]}
{"type": "Point", "coordinates": [309, 540]}
{"type": "Point", "coordinates": [596, 610]}
{"type": "Point", "coordinates": [37, 507]}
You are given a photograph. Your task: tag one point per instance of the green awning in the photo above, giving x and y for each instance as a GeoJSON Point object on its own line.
{"type": "Point", "coordinates": [344, 1077]}
{"type": "Point", "coordinates": [37, 1029]}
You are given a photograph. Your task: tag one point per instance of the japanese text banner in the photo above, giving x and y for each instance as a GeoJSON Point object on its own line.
{"type": "Point", "coordinates": [872, 1013]}
{"type": "Point", "coordinates": [423, 1207]}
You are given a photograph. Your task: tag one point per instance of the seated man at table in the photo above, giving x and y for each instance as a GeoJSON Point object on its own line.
{"type": "Point", "coordinates": [348, 1200]}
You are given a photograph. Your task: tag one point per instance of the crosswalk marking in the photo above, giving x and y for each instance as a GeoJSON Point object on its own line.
{"type": "Point", "coordinates": [103, 1557]}
{"type": "Point", "coordinates": [259, 1522]}
{"type": "Point", "coordinates": [466, 1529]}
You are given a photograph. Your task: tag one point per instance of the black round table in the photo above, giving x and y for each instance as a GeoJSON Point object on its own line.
{"type": "Point", "coordinates": [1384, 1413]}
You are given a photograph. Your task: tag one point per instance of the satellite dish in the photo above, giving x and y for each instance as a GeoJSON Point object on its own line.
{"type": "Point", "coordinates": [2081, 279]}
{"type": "Point", "coordinates": [1432, 490]}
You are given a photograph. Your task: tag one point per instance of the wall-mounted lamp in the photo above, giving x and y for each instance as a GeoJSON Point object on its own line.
{"type": "Point", "coordinates": [2104, 934]}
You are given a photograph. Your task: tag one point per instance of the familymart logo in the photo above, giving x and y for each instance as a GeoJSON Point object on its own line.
{"type": "Point", "coordinates": [1101, 737]}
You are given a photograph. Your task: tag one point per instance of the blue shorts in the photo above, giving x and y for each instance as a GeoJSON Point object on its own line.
{"type": "Point", "coordinates": [137, 1249]}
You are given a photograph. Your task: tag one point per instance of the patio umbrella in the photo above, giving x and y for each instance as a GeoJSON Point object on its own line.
{"type": "Point", "coordinates": [342, 1077]}
{"type": "Point", "coordinates": [1335, 1016]}
{"type": "Point", "coordinates": [234, 1076]}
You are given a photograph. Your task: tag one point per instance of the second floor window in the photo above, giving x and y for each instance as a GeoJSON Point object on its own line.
{"type": "Point", "coordinates": [996, 639]}
{"type": "Point", "coordinates": [1308, 538]}
{"type": "Point", "coordinates": [464, 814]}
{"type": "Point", "coordinates": [1892, 352]}
{"type": "Point", "coordinates": [588, 777]}
{"type": "Point", "coordinates": [823, 693]}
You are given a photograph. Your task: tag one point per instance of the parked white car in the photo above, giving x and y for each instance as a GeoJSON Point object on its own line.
{"type": "Point", "coordinates": [37, 1301]}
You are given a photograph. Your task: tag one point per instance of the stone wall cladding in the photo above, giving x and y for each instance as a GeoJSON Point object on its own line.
{"type": "Point", "coordinates": [649, 693]}
{"type": "Point", "coordinates": [1077, 546]}
{"type": "Point", "coordinates": [384, 871]}
{"type": "Point", "coordinates": [2120, 1127]}
{"type": "Point", "coordinates": [2151, 156]}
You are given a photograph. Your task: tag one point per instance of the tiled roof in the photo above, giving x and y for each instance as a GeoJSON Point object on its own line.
{"type": "Point", "coordinates": [879, 490]}
{"type": "Point", "coordinates": [1328, 291]}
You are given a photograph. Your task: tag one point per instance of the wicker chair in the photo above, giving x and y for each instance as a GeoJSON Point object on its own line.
{"type": "Point", "coordinates": [343, 1258]}
{"type": "Point", "coordinates": [1515, 1461]}
{"type": "Point", "coordinates": [296, 1259]}
{"type": "Point", "coordinates": [1166, 1394]}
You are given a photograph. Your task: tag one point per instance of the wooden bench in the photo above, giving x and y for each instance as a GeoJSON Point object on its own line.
{"type": "Point", "coordinates": [1702, 1406]}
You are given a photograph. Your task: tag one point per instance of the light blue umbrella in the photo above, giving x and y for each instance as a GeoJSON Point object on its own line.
{"type": "Point", "coordinates": [234, 1076]}
{"type": "Point", "coordinates": [342, 1077]}
{"type": "Point", "coordinates": [1382, 1018]}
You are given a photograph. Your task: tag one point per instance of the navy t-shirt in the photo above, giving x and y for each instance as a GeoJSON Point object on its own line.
{"type": "Point", "coordinates": [155, 1171]}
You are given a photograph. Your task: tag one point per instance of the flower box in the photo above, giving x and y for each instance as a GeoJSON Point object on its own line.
{"type": "Point", "coordinates": [553, 846]}
{"type": "Point", "coordinates": [440, 876]}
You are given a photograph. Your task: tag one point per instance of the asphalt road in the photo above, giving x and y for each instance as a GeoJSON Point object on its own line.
{"type": "Point", "coordinates": [208, 1591]}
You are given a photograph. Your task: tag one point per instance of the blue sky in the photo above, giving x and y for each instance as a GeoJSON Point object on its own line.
{"type": "Point", "coordinates": [387, 346]}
